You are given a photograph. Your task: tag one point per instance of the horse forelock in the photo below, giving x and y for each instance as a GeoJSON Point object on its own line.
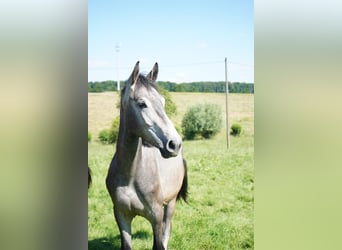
{"type": "Point", "coordinates": [142, 82]}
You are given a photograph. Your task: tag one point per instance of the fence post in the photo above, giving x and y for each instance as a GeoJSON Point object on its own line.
{"type": "Point", "coordinates": [227, 92]}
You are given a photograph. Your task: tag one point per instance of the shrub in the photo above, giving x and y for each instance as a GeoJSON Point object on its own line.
{"type": "Point", "coordinates": [110, 136]}
{"type": "Point", "coordinates": [115, 129]}
{"type": "Point", "coordinates": [178, 128]}
{"type": "Point", "coordinates": [104, 136]}
{"type": "Point", "coordinates": [235, 129]}
{"type": "Point", "coordinates": [89, 136]}
{"type": "Point", "coordinates": [202, 120]}
{"type": "Point", "coordinates": [170, 106]}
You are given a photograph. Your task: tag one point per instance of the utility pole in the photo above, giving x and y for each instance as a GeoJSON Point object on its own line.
{"type": "Point", "coordinates": [117, 49]}
{"type": "Point", "coordinates": [227, 92]}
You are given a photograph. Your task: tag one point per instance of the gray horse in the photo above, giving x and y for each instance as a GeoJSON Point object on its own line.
{"type": "Point", "coordinates": [147, 173]}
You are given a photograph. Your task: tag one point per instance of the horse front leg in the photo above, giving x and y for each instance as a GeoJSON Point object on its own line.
{"type": "Point", "coordinates": [124, 222]}
{"type": "Point", "coordinates": [157, 226]}
{"type": "Point", "coordinates": [168, 213]}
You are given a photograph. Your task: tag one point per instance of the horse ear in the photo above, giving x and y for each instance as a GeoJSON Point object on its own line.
{"type": "Point", "coordinates": [154, 73]}
{"type": "Point", "coordinates": [134, 76]}
{"type": "Point", "coordinates": [129, 85]}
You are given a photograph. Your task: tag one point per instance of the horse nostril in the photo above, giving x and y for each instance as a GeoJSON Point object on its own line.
{"type": "Point", "coordinates": [171, 146]}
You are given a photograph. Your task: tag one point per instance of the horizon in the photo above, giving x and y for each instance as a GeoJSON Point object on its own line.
{"type": "Point", "coordinates": [178, 82]}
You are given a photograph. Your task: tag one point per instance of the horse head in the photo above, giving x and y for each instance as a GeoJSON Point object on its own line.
{"type": "Point", "coordinates": [144, 110]}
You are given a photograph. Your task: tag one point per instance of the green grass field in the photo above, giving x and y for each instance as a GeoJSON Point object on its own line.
{"type": "Point", "coordinates": [219, 213]}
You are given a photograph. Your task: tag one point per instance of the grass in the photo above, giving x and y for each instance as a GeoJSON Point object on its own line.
{"type": "Point", "coordinates": [219, 214]}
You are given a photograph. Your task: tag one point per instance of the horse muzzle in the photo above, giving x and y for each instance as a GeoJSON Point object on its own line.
{"type": "Point", "coordinates": [171, 149]}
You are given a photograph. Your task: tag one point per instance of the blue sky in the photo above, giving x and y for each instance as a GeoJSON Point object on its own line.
{"type": "Point", "coordinates": [189, 39]}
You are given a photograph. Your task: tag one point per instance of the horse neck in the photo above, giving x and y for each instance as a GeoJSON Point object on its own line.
{"type": "Point", "coordinates": [127, 145]}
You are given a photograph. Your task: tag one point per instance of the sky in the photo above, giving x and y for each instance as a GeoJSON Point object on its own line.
{"type": "Point", "coordinates": [189, 39]}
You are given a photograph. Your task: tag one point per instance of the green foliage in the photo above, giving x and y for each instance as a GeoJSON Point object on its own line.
{"type": "Point", "coordinates": [216, 87]}
{"type": "Point", "coordinates": [110, 136]}
{"type": "Point", "coordinates": [170, 106]}
{"type": "Point", "coordinates": [103, 86]}
{"type": "Point", "coordinates": [89, 136]}
{"type": "Point", "coordinates": [104, 136]}
{"type": "Point", "coordinates": [178, 128]}
{"type": "Point", "coordinates": [235, 129]}
{"type": "Point", "coordinates": [202, 120]}
{"type": "Point", "coordinates": [115, 129]}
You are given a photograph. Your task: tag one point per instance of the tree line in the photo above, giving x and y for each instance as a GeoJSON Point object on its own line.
{"type": "Point", "coordinates": [216, 87]}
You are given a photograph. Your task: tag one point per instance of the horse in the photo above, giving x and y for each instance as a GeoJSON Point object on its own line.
{"type": "Point", "coordinates": [148, 172]}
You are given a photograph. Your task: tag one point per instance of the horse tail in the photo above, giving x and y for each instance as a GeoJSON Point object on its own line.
{"type": "Point", "coordinates": [89, 177]}
{"type": "Point", "coordinates": [183, 192]}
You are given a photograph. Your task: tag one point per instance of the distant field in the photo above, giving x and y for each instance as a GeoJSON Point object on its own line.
{"type": "Point", "coordinates": [219, 214]}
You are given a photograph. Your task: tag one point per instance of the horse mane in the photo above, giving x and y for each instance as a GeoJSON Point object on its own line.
{"type": "Point", "coordinates": [142, 81]}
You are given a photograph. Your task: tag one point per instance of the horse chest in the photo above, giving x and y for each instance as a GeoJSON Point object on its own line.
{"type": "Point", "coordinates": [127, 198]}
{"type": "Point", "coordinates": [136, 197]}
{"type": "Point", "coordinates": [150, 181]}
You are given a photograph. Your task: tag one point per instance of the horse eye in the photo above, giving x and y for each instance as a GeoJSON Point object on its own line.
{"type": "Point", "coordinates": [142, 104]}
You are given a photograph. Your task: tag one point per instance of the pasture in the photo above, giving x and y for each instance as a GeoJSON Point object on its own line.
{"type": "Point", "coordinates": [219, 212]}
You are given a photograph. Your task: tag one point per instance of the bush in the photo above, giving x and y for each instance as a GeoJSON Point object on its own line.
{"type": "Point", "coordinates": [235, 129]}
{"type": "Point", "coordinates": [115, 129]}
{"type": "Point", "coordinates": [110, 136]}
{"type": "Point", "coordinates": [178, 128]}
{"type": "Point", "coordinates": [202, 120]}
{"type": "Point", "coordinates": [89, 136]}
{"type": "Point", "coordinates": [170, 106]}
{"type": "Point", "coordinates": [104, 136]}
